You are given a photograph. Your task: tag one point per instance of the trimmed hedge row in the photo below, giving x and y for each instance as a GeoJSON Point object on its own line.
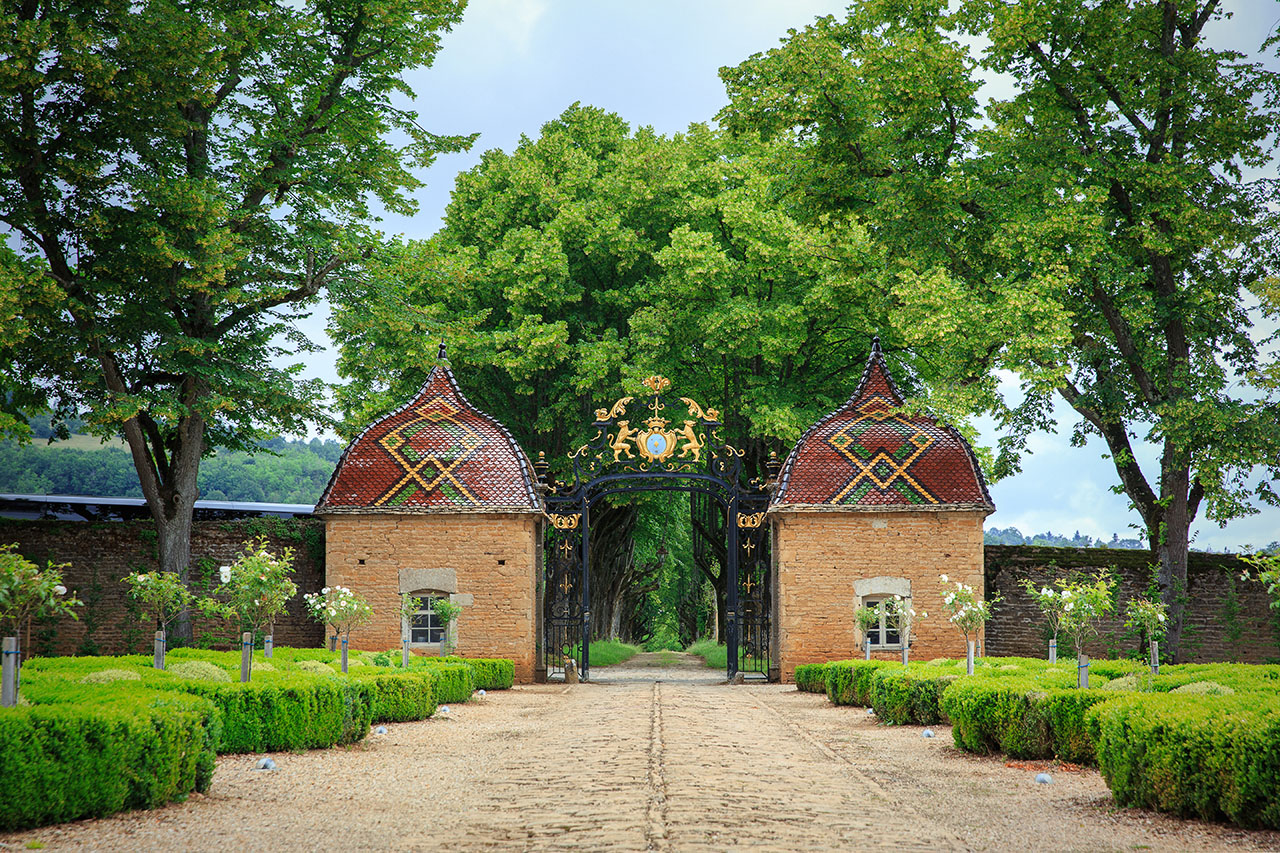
{"type": "Point", "coordinates": [488, 673]}
{"type": "Point", "coordinates": [811, 677]}
{"type": "Point", "coordinates": [288, 711]}
{"type": "Point", "coordinates": [400, 697]}
{"type": "Point", "coordinates": [1208, 757]}
{"type": "Point", "coordinates": [1021, 718]}
{"type": "Point", "coordinates": [849, 681]}
{"type": "Point", "coordinates": [275, 711]}
{"type": "Point", "coordinates": [124, 747]}
{"type": "Point", "coordinates": [453, 681]}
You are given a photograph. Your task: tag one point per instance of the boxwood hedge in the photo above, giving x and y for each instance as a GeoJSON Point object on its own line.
{"type": "Point", "coordinates": [453, 681]}
{"type": "Point", "coordinates": [811, 677]}
{"type": "Point", "coordinates": [400, 696]}
{"type": "Point", "coordinates": [121, 746]}
{"type": "Point", "coordinates": [1204, 756]}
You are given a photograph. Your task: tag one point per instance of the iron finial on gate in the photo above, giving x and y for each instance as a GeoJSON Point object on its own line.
{"type": "Point", "coordinates": [772, 467]}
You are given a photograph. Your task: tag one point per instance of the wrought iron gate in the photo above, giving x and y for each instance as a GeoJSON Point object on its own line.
{"type": "Point", "coordinates": [657, 456]}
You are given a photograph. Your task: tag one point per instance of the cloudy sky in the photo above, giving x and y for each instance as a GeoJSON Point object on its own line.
{"type": "Point", "coordinates": [513, 65]}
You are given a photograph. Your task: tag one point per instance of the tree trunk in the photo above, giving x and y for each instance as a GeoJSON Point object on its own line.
{"type": "Point", "coordinates": [174, 543]}
{"type": "Point", "coordinates": [716, 615]}
{"type": "Point", "coordinates": [168, 472]}
{"type": "Point", "coordinates": [1171, 547]}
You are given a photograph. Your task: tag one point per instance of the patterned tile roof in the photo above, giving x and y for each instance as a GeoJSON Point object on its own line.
{"type": "Point", "coordinates": [867, 455]}
{"type": "Point", "coordinates": [438, 453]}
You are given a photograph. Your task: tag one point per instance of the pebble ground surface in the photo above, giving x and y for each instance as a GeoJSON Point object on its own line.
{"type": "Point", "coordinates": [655, 754]}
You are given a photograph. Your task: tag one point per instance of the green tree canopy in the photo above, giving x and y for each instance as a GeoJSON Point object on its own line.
{"type": "Point", "coordinates": [184, 178]}
{"type": "Point", "coordinates": [596, 255]}
{"type": "Point", "coordinates": [1097, 234]}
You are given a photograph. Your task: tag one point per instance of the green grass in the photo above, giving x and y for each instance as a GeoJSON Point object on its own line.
{"type": "Point", "coordinates": [714, 654]}
{"type": "Point", "coordinates": [609, 652]}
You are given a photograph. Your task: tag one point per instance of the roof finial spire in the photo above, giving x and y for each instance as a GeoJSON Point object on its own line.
{"type": "Point", "coordinates": [875, 345]}
{"type": "Point", "coordinates": [440, 356]}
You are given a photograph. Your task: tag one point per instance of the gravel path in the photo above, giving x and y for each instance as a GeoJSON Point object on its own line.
{"type": "Point", "coordinates": [657, 754]}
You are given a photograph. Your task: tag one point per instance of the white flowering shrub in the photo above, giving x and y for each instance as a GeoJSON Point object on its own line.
{"type": "Point", "coordinates": [1148, 615]}
{"type": "Point", "coordinates": [1265, 569]}
{"type": "Point", "coordinates": [1051, 603]}
{"type": "Point", "coordinates": [965, 610]}
{"type": "Point", "coordinates": [258, 584]}
{"type": "Point", "coordinates": [30, 592]}
{"type": "Point", "coordinates": [897, 612]}
{"type": "Point", "coordinates": [1084, 604]}
{"type": "Point", "coordinates": [161, 594]}
{"type": "Point", "coordinates": [338, 607]}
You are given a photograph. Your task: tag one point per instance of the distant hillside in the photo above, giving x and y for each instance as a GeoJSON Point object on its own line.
{"type": "Point", "coordinates": [293, 472]}
{"type": "Point", "coordinates": [1014, 536]}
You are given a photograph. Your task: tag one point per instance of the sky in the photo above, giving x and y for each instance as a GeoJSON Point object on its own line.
{"type": "Point", "coordinates": [513, 65]}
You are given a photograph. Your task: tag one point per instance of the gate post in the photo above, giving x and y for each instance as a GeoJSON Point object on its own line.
{"type": "Point", "coordinates": [731, 587]}
{"type": "Point", "coordinates": [584, 665]}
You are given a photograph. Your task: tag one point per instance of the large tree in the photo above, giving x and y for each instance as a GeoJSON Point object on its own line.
{"type": "Point", "coordinates": [182, 178]}
{"type": "Point", "coordinates": [1102, 234]}
{"type": "Point", "coordinates": [595, 255]}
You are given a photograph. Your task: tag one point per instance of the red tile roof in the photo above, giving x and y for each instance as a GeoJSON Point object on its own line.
{"type": "Point", "coordinates": [437, 453]}
{"type": "Point", "coordinates": [866, 454]}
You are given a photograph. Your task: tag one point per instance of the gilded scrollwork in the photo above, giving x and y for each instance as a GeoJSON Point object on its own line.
{"type": "Point", "coordinates": [619, 408]}
{"type": "Point", "coordinates": [753, 520]}
{"type": "Point", "coordinates": [565, 522]}
{"type": "Point", "coordinates": [657, 384]}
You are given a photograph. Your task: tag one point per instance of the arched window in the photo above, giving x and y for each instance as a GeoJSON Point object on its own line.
{"type": "Point", "coordinates": [869, 592]}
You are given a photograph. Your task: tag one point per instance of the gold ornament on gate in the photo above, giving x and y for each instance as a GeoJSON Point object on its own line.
{"type": "Point", "coordinates": [657, 441]}
{"type": "Point", "coordinates": [565, 522]}
{"type": "Point", "coordinates": [752, 520]}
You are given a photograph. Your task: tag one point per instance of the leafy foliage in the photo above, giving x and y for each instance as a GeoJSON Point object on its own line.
{"type": "Point", "coordinates": [181, 187]}
{"type": "Point", "coordinates": [1096, 234]}
{"type": "Point", "coordinates": [338, 607]}
{"type": "Point", "coordinates": [163, 594]}
{"type": "Point", "coordinates": [1265, 568]}
{"type": "Point", "coordinates": [257, 584]}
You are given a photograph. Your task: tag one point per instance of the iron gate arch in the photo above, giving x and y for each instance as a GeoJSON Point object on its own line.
{"type": "Point", "coordinates": [690, 458]}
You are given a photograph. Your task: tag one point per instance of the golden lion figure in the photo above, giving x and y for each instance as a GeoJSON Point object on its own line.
{"type": "Point", "coordinates": [621, 442]}
{"type": "Point", "coordinates": [691, 443]}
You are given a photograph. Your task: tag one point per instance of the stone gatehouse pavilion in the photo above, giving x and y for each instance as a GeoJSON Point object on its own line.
{"type": "Point", "coordinates": [438, 499]}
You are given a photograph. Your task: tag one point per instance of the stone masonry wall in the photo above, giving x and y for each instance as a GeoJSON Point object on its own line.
{"type": "Point", "coordinates": [1228, 619]}
{"type": "Point", "coordinates": [492, 557]}
{"type": "Point", "coordinates": [101, 553]}
{"type": "Point", "coordinates": [820, 555]}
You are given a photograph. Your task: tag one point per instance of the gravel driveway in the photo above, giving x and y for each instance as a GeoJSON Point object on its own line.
{"type": "Point", "coordinates": [657, 754]}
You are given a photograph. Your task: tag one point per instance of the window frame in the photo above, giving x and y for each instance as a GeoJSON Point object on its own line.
{"type": "Point", "coordinates": [883, 630]}
{"type": "Point", "coordinates": [429, 597]}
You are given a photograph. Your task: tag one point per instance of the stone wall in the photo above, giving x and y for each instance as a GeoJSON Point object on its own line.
{"type": "Point", "coordinates": [101, 553]}
{"type": "Point", "coordinates": [486, 562]}
{"type": "Point", "coordinates": [1228, 619]}
{"type": "Point", "coordinates": [820, 556]}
